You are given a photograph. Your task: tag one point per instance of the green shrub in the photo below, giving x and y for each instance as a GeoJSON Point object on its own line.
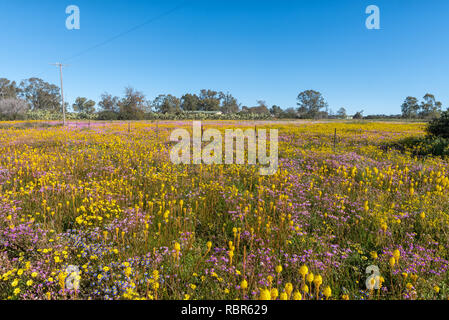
{"type": "Point", "coordinates": [439, 127]}
{"type": "Point", "coordinates": [107, 115]}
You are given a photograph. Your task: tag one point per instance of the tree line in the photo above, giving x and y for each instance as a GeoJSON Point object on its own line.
{"type": "Point", "coordinates": [428, 108]}
{"type": "Point", "coordinates": [34, 97]}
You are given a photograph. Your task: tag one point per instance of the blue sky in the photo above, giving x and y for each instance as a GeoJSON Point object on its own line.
{"type": "Point", "coordinates": [256, 50]}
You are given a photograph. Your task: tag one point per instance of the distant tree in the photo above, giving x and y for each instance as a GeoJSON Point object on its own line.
{"type": "Point", "coordinates": [276, 111]}
{"type": "Point", "coordinates": [40, 95]}
{"type": "Point", "coordinates": [209, 100]}
{"type": "Point", "coordinates": [8, 89]}
{"type": "Point", "coordinates": [82, 105]}
{"type": "Point", "coordinates": [358, 115]}
{"type": "Point", "coordinates": [311, 104]}
{"type": "Point", "coordinates": [289, 113]}
{"type": "Point", "coordinates": [229, 104]}
{"type": "Point", "coordinates": [133, 105]}
{"type": "Point", "coordinates": [261, 108]}
{"type": "Point", "coordinates": [109, 103]}
{"type": "Point", "coordinates": [190, 102]}
{"type": "Point", "coordinates": [410, 108]}
{"type": "Point", "coordinates": [341, 113]}
{"type": "Point", "coordinates": [167, 104]}
{"type": "Point", "coordinates": [11, 108]}
{"type": "Point", "coordinates": [430, 108]}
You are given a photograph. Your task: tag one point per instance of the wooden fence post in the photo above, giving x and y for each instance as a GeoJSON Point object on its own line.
{"type": "Point", "coordinates": [335, 139]}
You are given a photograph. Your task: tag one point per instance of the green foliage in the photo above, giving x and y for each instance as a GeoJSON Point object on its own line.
{"type": "Point", "coordinates": [47, 115]}
{"type": "Point", "coordinates": [107, 115]}
{"type": "Point", "coordinates": [439, 127]}
{"type": "Point", "coordinates": [429, 108]}
{"type": "Point", "coordinates": [206, 116]}
{"type": "Point", "coordinates": [40, 94]}
{"type": "Point", "coordinates": [311, 104]}
{"type": "Point", "coordinates": [82, 105]}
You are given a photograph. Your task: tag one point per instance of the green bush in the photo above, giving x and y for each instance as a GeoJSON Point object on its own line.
{"type": "Point", "coordinates": [439, 127]}
{"type": "Point", "coordinates": [107, 115]}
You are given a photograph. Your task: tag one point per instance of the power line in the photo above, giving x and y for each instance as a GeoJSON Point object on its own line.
{"type": "Point", "coordinates": [60, 65]}
{"type": "Point", "coordinates": [166, 13]}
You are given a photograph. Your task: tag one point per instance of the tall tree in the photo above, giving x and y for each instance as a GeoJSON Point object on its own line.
{"type": "Point", "coordinates": [229, 104]}
{"type": "Point", "coordinates": [8, 89]}
{"type": "Point", "coordinates": [132, 106]}
{"type": "Point", "coordinates": [209, 100]}
{"type": "Point", "coordinates": [190, 102]}
{"type": "Point", "coordinates": [310, 104]}
{"type": "Point", "coordinates": [167, 103]}
{"type": "Point", "coordinates": [410, 108]}
{"type": "Point", "coordinates": [82, 105]}
{"type": "Point", "coordinates": [40, 95]}
{"type": "Point", "coordinates": [430, 108]}
{"type": "Point", "coordinates": [109, 103]}
{"type": "Point", "coordinates": [341, 113]}
{"type": "Point", "coordinates": [276, 111]}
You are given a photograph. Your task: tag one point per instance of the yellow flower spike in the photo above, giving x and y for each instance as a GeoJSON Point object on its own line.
{"type": "Point", "coordinates": [303, 271]}
{"type": "Point", "coordinates": [297, 295]}
{"type": "Point", "coordinates": [274, 293]}
{"type": "Point", "coordinates": [244, 285]}
{"type": "Point", "coordinates": [327, 292]}
{"type": "Point", "coordinates": [310, 277]}
{"type": "Point", "coordinates": [289, 289]}
{"type": "Point", "coordinates": [265, 294]}
{"type": "Point", "coordinates": [317, 281]}
{"type": "Point", "coordinates": [283, 296]}
{"type": "Point", "coordinates": [305, 288]}
{"type": "Point", "coordinates": [396, 254]}
{"type": "Point", "coordinates": [392, 262]}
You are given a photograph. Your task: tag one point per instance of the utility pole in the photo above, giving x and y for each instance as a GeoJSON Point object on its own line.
{"type": "Point", "coordinates": [60, 65]}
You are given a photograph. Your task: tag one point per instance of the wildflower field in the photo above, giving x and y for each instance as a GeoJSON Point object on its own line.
{"type": "Point", "coordinates": [98, 211]}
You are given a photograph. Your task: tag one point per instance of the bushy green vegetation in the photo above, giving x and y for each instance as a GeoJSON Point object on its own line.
{"type": "Point", "coordinates": [422, 146]}
{"type": "Point", "coordinates": [439, 127]}
{"type": "Point", "coordinates": [435, 143]}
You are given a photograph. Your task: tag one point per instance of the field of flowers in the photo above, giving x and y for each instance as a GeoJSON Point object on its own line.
{"type": "Point", "coordinates": [105, 199]}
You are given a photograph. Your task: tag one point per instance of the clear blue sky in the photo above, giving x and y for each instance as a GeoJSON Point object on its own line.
{"type": "Point", "coordinates": [256, 50]}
